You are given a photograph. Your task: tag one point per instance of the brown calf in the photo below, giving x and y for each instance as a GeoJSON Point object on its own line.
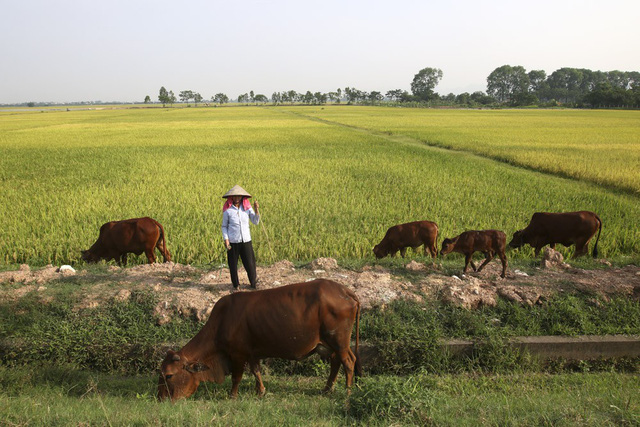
{"type": "Point", "coordinates": [409, 235]}
{"type": "Point", "coordinates": [490, 242]}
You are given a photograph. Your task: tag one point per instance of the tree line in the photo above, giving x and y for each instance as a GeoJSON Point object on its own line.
{"type": "Point", "coordinates": [506, 86]}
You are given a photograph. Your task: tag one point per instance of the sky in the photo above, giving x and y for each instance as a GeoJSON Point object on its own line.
{"type": "Point", "coordinates": [124, 50]}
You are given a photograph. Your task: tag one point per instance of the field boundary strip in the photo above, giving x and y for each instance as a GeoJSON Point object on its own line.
{"type": "Point", "coordinates": [408, 140]}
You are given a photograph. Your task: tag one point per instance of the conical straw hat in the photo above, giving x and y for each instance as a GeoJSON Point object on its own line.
{"type": "Point", "coordinates": [236, 191]}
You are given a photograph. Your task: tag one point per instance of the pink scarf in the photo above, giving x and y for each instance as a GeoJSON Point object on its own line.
{"type": "Point", "coordinates": [246, 205]}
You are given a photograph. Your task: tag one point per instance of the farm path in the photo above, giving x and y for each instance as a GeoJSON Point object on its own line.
{"type": "Point", "coordinates": [188, 291]}
{"type": "Point", "coordinates": [415, 142]}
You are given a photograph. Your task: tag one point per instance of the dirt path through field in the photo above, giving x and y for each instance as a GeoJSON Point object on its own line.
{"type": "Point", "coordinates": [190, 291]}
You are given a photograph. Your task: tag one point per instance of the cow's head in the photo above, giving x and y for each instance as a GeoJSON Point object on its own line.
{"type": "Point", "coordinates": [379, 251]}
{"type": "Point", "coordinates": [517, 240]}
{"type": "Point", "coordinates": [179, 378]}
{"type": "Point", "coordinates": [90, 256]}
{"type": "Point", "coordinates": [448, 245]}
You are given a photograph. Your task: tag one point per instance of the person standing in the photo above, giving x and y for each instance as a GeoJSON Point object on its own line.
{"type": "Point", "coordinates": [236, 214]}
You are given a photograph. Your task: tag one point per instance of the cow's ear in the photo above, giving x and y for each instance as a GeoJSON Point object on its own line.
{"type": "Point", "coordinates": [220, 368]}
{"type": "Point", "coordinates": [196, 367]}
{"type": "Point", "coordinates": [173, 356]}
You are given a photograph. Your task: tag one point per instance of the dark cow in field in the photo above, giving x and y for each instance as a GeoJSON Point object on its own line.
{"type": "Point", "coordinates": [137, 235]}
{"type": "Point", "coordinates": [566, 228]}
{"type": "Point", "coordinates": [409, 235]}
{"type": "Point", "coordinates": [489, 242]}
{"type": "Point", "coordinates": [288, 322]}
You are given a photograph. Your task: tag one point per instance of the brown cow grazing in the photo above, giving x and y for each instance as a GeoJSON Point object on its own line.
{"type": "Point", "coordinates": [490, 242]}
{"type": "Point", "coordinates": [567, 228]}
{"type": "Point", "coordinates": [137, 235]}
{"type": "Point", "coordinates": [288, 322]}
{"type": "Point", "coordinates": [409, 235]}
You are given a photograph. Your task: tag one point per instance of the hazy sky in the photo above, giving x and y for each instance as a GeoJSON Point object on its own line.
{"type": "Point", "coordinates": [123, 50]}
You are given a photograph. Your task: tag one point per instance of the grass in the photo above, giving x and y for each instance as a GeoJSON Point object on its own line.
{"type": "Point", "coordinates": [325, 190]}
{"type": "Point", "coordinates": [595, 146]}
{"type": "Point", "coordinates": [62, 396]}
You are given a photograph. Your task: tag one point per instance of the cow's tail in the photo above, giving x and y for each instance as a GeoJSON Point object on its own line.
{"type": "Point", "coordinates": [595, 247]}
{"type": "Point", "coordinates": [358, 366]}
{"type": "Point", "coordinates": [165, 253]}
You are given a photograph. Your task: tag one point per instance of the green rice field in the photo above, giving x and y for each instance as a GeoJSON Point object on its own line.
{"type": "Point", "coordinates": [330, 180]}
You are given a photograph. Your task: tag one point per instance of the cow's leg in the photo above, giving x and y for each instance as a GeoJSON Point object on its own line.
{"type": "Point", "coordinates": [255, 370]}
{"type": "Point", "coordinates": [552, 246]}
{"type": "Point", "coordinates": [581, 249]}
{"type": "Point", "coordinates": [537, 251]}
{"type": "Point", "coordinates": [403, 251]}
{"type": "Point", "coordinates": [148, 251]}
{"type": "Point", "coordinates": [236, 375]}
{"type": "Point", "coordinates": [123, 259]}
{"type": "Point", "coordinates": [335, 368]}
{"type": "Point", "coordinates": [488, 257]}
{"type": "Point", "coordinates": [165, 253]}
{"type": "Point", "coordinates": [348, 360]}
{"type": "Point", "coordinates": [467, 260]}
{"type": "Point", "coordinates": [433, 251]}
{"type": "Point", "coordinates": [503, 258]}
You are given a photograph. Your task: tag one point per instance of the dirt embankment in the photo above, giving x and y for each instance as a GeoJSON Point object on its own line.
{"type": "Point", "coordinates": [189, 291]}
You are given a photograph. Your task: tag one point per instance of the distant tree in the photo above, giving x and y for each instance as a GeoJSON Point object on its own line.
{"type": "Point", "coordinates": [307, 98]}
{"type": "Point", "coordinates": [252, 97]}
{"type": "Point", "coordinates": [463, 98]}
{"type": "Point", "coordinates": [244, 98]}
{"type": "Point", "coordinates": [482, 98]}
{"type": "Point", "coordinates": [566, 85]}
{"type": "Point", "coordinates": [196, 98]}
{"type": "Point", "coordinates": [163, 96]}
{"type": "Point", "coordinates": [394, 95]}
{"type": "Point", "coordinates": [171, 98]}
{"type": "Point", "coordinates": [147, 99]}
{"type": "Point", "coordinates": [508, 84]}
{"type": "Point", "coordinates": [320, 98]}
{"type": "Point", "coordinates": [353, 95]}
{"type": "Point", "coordinates": [606, 94]}
{"type": "Point", "coordinates": [375, 97]}
{"type": "Point", "coordinates": [293, 96]}
{"type": "Point", "coordinates": [537, 81]}
{"type": "Point", "coordinates": [424, 82]}
{"type": "Point", "coordinates": [186, 95]}
{"type": "Point", "coordinates": [260, 98]}
{"type": "Point", "coordinates": [220, 98]}
{"type": "Point", "coordinates": [450, 97]}
{"type": "Point", "coordinates": [276, 98]}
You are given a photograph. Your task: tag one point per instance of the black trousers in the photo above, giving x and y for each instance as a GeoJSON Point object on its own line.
{"type": "Point", "coordinates": [245, 252]}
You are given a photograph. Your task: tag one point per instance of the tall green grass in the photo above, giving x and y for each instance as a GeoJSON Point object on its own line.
{"type": "Point", "coordinates": [590, 145]}
{"type": "Point", "coordinates": [325, 190]}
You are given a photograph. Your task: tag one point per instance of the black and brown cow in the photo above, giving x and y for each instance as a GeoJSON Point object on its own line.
{"type": "Point", "coordinates": [136, 235]}
{"type": "Point", "coordinates": [489, 242]}
{"type": "Point", "coordinates": [288, 322]}
{"type": "Point", "coordinates": [567, 228]}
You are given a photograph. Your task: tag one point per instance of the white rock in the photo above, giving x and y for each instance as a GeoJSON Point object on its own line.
{"type": "Point", "coordinates": [65, 267]}
{"type": "Point", "coordinates": [520, 273]}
